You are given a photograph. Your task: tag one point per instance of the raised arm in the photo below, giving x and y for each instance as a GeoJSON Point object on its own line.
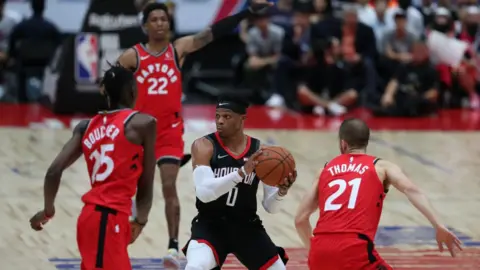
{"type": "Point", "coordinates": [70, 152]}
{"type": "Point", "coordinates": [396, 177]}
{"type": "Point", "coordinates": [223, 27]}
{"type": "Point", "coordinates": [307, 207]}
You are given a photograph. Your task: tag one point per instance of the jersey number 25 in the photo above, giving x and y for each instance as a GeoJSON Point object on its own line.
{"type": "Point", "coordinates": [157, 86]}
{"type": "Point", "coordinates": [101, 158]}
{"type": "Point", "coordinates": [342, 187]}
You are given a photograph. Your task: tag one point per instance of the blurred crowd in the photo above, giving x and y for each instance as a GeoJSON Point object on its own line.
{"type": "Point", "coordinates": [325, 57]}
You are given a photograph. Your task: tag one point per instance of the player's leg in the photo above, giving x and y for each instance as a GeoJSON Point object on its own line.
{"type": "Point", "coordinates": [207, 248]}
{"type": "Point", "coordinates": [103, 236]}
{"type": "Point", "coordinates": [254, 248]}
{"type": "Point", "coordinates": [169, 153]}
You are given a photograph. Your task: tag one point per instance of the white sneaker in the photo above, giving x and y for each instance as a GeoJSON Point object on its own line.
{"type": "Point", "coordinates": [318, 110]}
{"type": "Point", "coordinates": [336, 109]}
{"type": "Point", "coordinates": [275, 100]}
{"type": "Point", "coordinates": [171, 260]}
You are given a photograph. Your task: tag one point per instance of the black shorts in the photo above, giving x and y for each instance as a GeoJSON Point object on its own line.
{"type": "Point", "coordinates": [247, 240]}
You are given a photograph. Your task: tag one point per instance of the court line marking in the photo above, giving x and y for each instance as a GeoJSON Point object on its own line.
{"type": "Point", "coordinates": [417, 157]}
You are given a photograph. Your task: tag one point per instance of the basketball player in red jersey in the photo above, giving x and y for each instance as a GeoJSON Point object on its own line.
{"type": "Point", "coordinates": [350, 193]}
{"type": "Point", "coordinates": [157, 70]}
{"type": "Point", "coordinates": [118, 147]}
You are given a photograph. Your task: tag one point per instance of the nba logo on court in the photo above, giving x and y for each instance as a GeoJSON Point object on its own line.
{"type": "Point", "coordinates": [86, 58]}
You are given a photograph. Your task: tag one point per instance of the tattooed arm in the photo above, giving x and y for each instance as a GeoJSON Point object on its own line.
{"type": "Point", "coordinates": [189, 44]}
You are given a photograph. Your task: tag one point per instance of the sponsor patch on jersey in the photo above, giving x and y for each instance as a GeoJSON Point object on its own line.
{"type": "Point", "coordinates": [86, 58]}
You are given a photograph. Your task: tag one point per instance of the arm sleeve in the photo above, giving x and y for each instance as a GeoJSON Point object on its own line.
{"type": "Point", "coordinates": [208, 188]}
{"type": "Point", "coordinates": [271, 199]}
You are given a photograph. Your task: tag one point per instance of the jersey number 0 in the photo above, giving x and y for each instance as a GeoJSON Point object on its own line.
{"type": "Point", "coordinates": [157, 86]}
{"type": "Point", "coordinates": [342, 186]}
{"type": "Point", "coordinates": [101, 158]}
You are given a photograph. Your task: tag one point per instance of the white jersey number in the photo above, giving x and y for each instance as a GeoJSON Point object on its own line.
{"type": "Point", "coordinates": [157, 86]}
{"type": "Point", "coordinates": [342, 186]}
{"type": "Point", "coordinates": [101, 158]}
{"type": "Point", "coordinates": [232, 196]}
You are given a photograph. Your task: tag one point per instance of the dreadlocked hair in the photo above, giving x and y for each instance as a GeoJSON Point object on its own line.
{"type": "Point", "coordinates": [114, 82]}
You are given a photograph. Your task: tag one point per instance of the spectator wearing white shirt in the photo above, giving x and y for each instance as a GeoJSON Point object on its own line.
{"type": "Point", "coordinates": [414, 17]}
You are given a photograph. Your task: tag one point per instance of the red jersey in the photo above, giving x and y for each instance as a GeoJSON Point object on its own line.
{"type": "Point", "coordinates": [114, 163]}
{"type": "Point", "coordinates": [350, 196]}
{"type": "Point", "coordinates": [159, 83]}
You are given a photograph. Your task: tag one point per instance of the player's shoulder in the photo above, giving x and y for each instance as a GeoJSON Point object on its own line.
{"type": "Point", "coordinates": [142, 120]}
{"type": "Point", "coordinates": [82, 126]}
{"type": "Point", "coordinates": [202, 144]}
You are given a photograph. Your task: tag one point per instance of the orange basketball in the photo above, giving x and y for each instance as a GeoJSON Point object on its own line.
{"type": "Point", "coordinates": [274, 164]}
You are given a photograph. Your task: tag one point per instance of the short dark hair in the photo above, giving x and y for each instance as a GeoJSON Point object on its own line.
{"type": "Point", "coordinates": [355, 132]}
{"type": "Point", "coordinates": [151, 7]}
{"type": "Point", "coordinates": [115, 80]}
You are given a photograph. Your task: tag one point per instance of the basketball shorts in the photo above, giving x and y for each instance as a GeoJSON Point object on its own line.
{"type": "Point", "coordinates": [103, 235]}
{"type": "Point", "coordinates": [344, 252]}
{"type": "Point", "coordinates": [169, 144]}
{"type": "Point", "coordinates": [247, 240]}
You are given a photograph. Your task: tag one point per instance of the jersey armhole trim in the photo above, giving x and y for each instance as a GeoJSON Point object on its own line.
{"type": "Point", "coordinates": [129, 117]}
{"type": "Point", "coordinates": [326, 163]}
{"type": "Point", "coordinates": [214, 148]}
{"type": "Point", "coordinates": [176, 58]}
{"type": "Point", "coordinates": [87, 127]}
{"type": "Point", "coordinates": [137, 60]}
{"type": "Point", "coordinates": [376, 160]}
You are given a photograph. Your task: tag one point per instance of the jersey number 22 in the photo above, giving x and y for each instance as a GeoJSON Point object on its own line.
{"type": "Point", "coordinates": [157, 86]}
{"type": "Point", "coordinates": [102, 159]}
{"type": "Point", "coordinates": [342, 187]}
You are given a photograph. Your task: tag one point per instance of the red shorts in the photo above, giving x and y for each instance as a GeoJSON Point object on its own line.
{"type": "Point", "coordinates": [344, 252]}
{"type": "Point", "coordinates": [103, 236]}
{"type": "Point", "coordinates": [169, 144]}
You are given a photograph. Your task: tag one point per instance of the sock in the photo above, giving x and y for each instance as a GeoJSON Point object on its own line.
{"type": "Point", "coordinates": [173, 243]}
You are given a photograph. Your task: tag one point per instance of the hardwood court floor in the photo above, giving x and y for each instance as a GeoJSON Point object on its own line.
{"type": "Point", "coordinates": [444, 164]}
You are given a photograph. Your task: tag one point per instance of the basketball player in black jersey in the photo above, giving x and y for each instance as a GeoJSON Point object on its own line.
{"type": "Point", "coordinates": [226, 188]}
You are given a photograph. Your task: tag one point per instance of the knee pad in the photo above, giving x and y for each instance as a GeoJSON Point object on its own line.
{"type": "Point", "coordinates": [200, 256]}
{"type": "Point", "coordinates": [277, 265]}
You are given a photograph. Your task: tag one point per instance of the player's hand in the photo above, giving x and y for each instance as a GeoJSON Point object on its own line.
{"type": "Point", "coordinates": [286, 183]}
{"type": "Point", "coordinates": [38, 220]}
{"type": "Point", "coordinates": [252, 162]}
{"type": "Point", "coordinates": [136, 228]}
{"type": "Point", "coordinates": [259, 6]}
{"type": "Point", "coordinates": [447, 238]}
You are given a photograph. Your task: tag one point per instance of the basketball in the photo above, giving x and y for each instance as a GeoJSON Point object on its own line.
{"type": "Point", "coordinates": [274, 164]}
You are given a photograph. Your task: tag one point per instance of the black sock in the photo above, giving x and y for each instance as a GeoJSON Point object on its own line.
{"type": "Point", "coordinates": [173, 243]}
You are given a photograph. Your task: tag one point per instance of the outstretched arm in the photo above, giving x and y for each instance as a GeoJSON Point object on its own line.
{"type": "Point", "coordinates": [70, 152]}
{"type": "Point", "coordinates": [223, 27]}
{"type": "Point", "coordinates": [307, 207]}
{"type": "Point", "coordinates": [415, 195]}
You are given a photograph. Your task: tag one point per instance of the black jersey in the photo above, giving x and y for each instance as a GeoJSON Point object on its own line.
{"type": "Point", "coordinates": [241, 201]}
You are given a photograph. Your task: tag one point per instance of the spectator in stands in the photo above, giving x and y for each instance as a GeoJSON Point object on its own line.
{"type": "Point", "coordinates": [427, 9]}
{"type": "Point", "coordinates": [397, 44]}
{"type": "Point", "coordinates": [7, 23]}
{"type": "Point", "coordinates": [378, 22]}
{"type": "Point", "coordinates": [282, 13]}
{"type": "Point", "coordinates": [32, 45]}
{"type": "Point", "coordinates": [264, 45]}
{"type": "Point", "coordinates": [296, 60]}
{"type": "Point", "coordinates": [413, 91]}
{"type": "Point", "coordinates": [339, 86]}
{"type": "Point", "coordinates": [356, 40]}
{"type": "Point", "coordinates": [414, 17]}
{"type": "Point", "coordinates": [366, 13]}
